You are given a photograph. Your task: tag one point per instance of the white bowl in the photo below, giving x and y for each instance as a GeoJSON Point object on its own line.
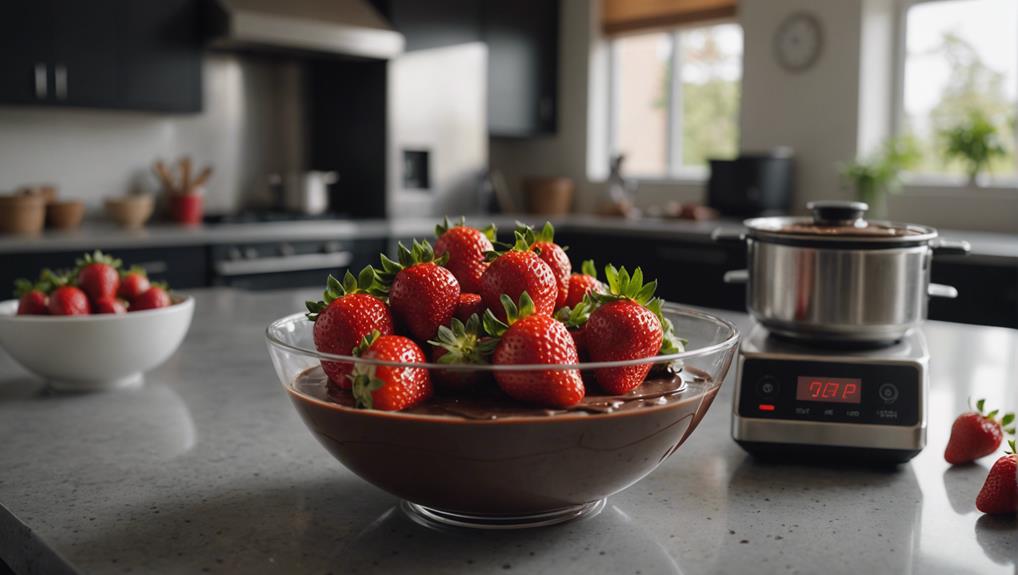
{"type": "Point", "coordinates": [81, 353]}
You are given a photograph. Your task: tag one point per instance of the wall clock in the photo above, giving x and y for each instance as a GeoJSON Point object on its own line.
{"type": "Point", "coordinates": [798, 41]}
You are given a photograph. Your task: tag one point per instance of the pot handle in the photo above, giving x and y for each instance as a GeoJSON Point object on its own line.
{"type": "Point", "coordinates": [736, 277]}
{"type": "Point", "coordinates": [942, 247]}
{"type": "Point", "coordinates": [941, 290]}
{"type": "Point", "coordinates": [728, 236]}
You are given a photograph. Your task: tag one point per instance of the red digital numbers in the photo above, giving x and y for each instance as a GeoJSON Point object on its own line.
{"type": "Point", "coordinates": [829, 389]}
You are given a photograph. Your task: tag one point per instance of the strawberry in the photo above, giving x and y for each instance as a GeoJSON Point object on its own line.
{"type": "Point", "coordinates": [133, 283]}
{"type": "Point", "coordinates": [532, 338]}
{"type": "Point", "coordinates": [153, 298]}
{"type": "Point", "coordinates": [466, 248]}
{"type": "Point", "coordinates": [625, 325]}
{"type": "Point", "coordinates": [582, 284]}
{"type": "Point", "coordinates": [999, 494]}
{"type": "Point", "coordinates": [389, 388]}
{"type": "Point", "coordinates": [975, 435]}
{"type": "Point", "coordinates": [468, 304]}
{"type": "Point", "coordinates": [349, 312]}
{"type": "Point", "coordinates": [32, 298]}
{"type": "Point", "coordinates": [422, 294]}
{"type": "Point", "coordinates": [109, 305]}
{"type": "Point", "coordinates": [97, 275]}
{"type": "Point", "coordinates": [543, 244]}
{"type": "Point", "coordinates": [575, 319]}
{"type": "Point", "coordinates": [461, 343]}
{"type": "Point", "coordinates": [69, 300]}
{"type": "Point", "coordinates": [515, 271]}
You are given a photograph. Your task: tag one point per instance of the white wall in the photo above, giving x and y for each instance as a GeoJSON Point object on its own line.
{"type": "Point", "coordinates": [827, 114]}
{"type": "Point", "coordinates": [251, 126]}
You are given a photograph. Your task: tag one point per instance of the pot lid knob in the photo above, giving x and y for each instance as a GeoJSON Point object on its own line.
{"type": "Point", "coordinates": [838, 213]}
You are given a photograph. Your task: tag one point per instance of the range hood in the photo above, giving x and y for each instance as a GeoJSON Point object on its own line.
{"type": "Point", "coordinates": [343, 27]}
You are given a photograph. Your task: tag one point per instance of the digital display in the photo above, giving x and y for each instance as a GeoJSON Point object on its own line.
{"type": "Point", "coordinates": [828, 389]}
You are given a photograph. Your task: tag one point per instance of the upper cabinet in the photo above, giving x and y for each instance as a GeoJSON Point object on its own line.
{"type": "Point", "coordinates": [522, 39]}
{"type": "Point", "coordinates": [119, 54]}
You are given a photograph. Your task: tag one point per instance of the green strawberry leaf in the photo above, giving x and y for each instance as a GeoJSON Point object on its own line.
{"type": "Point", "coordinates": [464, 343]}
{"type": "Point", "coordinates": [992, 414]}
{"type": "Point", "coordinates": [492, 325]}
{"type": "Point", "coordinates": [96, 257]}
{"type": "Point", "coordinates": [1010, 443]}
{"type": "Point", "coordinates": [575, 317]}
{"type": "Point", "coordinates": [588, 268]}
{"type": "Point", "coordinates": [980, 405]}
{"type": "Point", "coordinates": [366, 342]}
{"type": "Point", "coordinates": [364, 382]}
{"type": "Point", "coordinates": [366, 282]}
{"type": "Point", "coordinates": [623, 285]}
{"type": "Point", "coordinates": [1007, 419]}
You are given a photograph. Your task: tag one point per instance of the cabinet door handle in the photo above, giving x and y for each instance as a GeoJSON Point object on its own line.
{"type": "Point", "coordinates": [60, 81]}
{"type": "Point", "coordinates": [40, 81]}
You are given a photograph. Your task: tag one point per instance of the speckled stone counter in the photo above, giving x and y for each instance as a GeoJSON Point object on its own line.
{"type": "Point", "coordinates": [207, 468]}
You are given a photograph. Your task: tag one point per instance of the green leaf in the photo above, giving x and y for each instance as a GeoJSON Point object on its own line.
{"type": "Point", "coordinates": [492, 325]}
{"type": "Point", "coordinates": [992, 414]}
{"type": "Point", "coordinates": [1008, 418]}
{"type": "Point", "coordinates": [491, 232]}
{"type": "Point", "coordinates": [980, 405]}
{"type": "Point", "coordinates": [588, 268]}
{"type": "Point", "coordinates": [366, 342]}
{"type": "Point", "coordinates": [612, 276]}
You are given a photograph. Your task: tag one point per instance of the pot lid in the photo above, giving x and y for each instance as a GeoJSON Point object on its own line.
{"type": "Point", "coordinates": [839, 222]}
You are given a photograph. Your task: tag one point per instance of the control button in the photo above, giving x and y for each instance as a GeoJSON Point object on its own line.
{"type": "Point", "coordinates": [888, 392]}
{"type": "Point", "coordinates": [852, 413]}
{"type": "Point", "coordinates": [767, 386]}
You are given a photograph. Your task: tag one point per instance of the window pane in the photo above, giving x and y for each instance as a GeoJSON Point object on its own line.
{"type": "Point", "coordinates": [711, 67]}
{"type": "Point", "coordinates": [961, 59]}
{"type": "Point", "coordinates": [641, 106]}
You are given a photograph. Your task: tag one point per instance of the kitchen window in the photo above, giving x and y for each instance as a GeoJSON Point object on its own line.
{"type": "Point", "coordinates": [959, 62]}
{"type": "Point", "coordinates": [674, 99]}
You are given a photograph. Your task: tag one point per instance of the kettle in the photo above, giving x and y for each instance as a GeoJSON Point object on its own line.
{"type": "Point", "coordinates": [304, 192]}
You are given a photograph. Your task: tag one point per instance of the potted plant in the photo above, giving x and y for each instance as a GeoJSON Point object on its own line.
{"type": "Point", "coordinates": [975, 142]}
{"type": "Point", "coordinates": [878, 175]}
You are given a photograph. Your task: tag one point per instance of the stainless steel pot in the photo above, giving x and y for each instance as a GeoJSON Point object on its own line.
{"type": "Point", "coordinates": [837, 277]}
{"type": "Point", "coordinates": [303, 192]}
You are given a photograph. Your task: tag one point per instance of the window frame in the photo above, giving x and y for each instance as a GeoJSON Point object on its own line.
{"type": "Point", "coordinates": [675, 171]}
{"type": "Point", "coordinates": [927, 180]}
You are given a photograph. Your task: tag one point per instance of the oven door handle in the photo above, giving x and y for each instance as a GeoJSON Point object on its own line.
{"type": "Point", "coordinates": [295, 263]}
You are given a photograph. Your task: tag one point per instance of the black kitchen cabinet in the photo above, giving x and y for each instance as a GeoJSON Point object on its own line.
{"type": "Point", "coordinates": [120, 54]}
{"type": "Point", "coordinates": [522, 38]}
{"type": "Point", "coordinates": [182, 267]}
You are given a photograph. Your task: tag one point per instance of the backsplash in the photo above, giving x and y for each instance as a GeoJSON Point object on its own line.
{"type": "Point", "coordinates": [251, 126]}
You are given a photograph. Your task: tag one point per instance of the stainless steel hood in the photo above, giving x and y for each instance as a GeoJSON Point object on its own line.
{"type": "Point", "coordinates": [344, 27]}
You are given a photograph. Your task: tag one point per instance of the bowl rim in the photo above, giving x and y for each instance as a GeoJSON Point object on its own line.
{"type": "Point", "coordinates": [180, 302]}
{"type": "Point", "coordinates": [727, 343]}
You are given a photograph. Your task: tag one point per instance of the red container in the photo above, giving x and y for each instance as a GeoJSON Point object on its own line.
{"type": "Point", "coordinates": [186, 208]}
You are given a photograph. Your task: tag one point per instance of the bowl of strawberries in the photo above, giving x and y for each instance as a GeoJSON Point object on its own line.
{"type": "Point", "coordinates": [523, 402]}
{"type": "Point", "coordinates": [110, 324]}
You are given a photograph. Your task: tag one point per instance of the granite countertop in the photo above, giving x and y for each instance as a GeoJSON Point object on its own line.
{"type": "Point", "coordinates": [107, 236]}
{"type": "Point", "coordinates": [207, 468]}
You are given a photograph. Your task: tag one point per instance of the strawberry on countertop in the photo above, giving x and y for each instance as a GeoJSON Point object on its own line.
{"type": "Point", "coordinates": [466, 248]}
{"type": "Point", "coordinates": [389, 388]}
{"type": "Point", "coordinates": [422, 294]}
{"type": "Point", "coordinates": [517, 270]}
{"type": "Point", "coordinates": [98, 276]}
{"type": "Point", "coordinates": [543, 243]}
{"type": "Point", "coordinates": [532, 338]}
{"type": "Point", "coordinates": [348, 312]}
{"type": "Point", "coordinates": [976, 435]}
{"type": "Point", "coordinates": [999, 494]}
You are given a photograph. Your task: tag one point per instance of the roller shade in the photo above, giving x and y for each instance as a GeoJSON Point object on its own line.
{"type": "Point", "coordinates": [618, 16]}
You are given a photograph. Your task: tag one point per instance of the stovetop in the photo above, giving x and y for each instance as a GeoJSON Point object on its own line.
{"type": "Point", "coordinates": [761, 342]}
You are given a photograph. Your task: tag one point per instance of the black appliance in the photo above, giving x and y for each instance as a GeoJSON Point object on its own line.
{"type": "Point", "coordinates": [752, 184]}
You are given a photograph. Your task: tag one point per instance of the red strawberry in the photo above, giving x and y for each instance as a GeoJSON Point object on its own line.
{"type": "Point", "coordinates": [109, 305]}
{"type": "Point", "coordinates": [999, 494]}
{"type": "Point", "coordinates": [582, 284]}
{"type": "Point", "coordinates": [133, 283]}
{"type": "Point", "coordinates": [69, 300]}
{"type": "Point", "coordinates": [32, 298]}
{"type": "Point", "coordinates": [575, 319]}
{"type": "Point", "coordinates": [626, 325]}
{"type": "Point", "coordinates": [422, 294]}
{"type": "Point", "coordinates": [516, 271]}
{"type": "Point", "coordinates": [531, 338]}
{"type": "Point", "coordinates": [975, 435]}
{"type": "Point", "coordinates": [153, 298]}
{"type": "Point", "coordinates": [466, 248]}
{"type": "Point", "coordinates": [349, 312]}
{"type": "Point", "coordinates": [461, 343]}
{"type": "Point", "coordinates": [386, 387]}
{"type": "Point", "coordinates": [543, 243]}
{"type": "Point", "coordinates": [97, 275]}
{"type": "Point", "coordinates": [469, 304]}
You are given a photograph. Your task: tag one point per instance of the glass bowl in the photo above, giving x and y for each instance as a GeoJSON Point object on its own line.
{"type": "Point", "coordinates": [481, 459]}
